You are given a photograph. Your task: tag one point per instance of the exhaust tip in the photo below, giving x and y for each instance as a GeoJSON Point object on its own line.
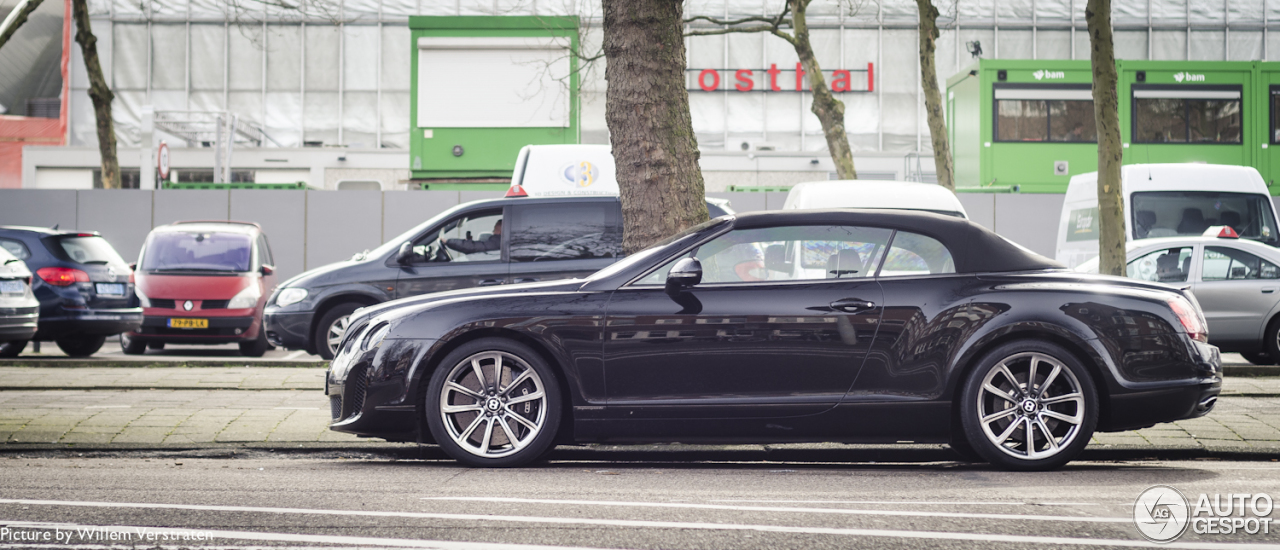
{"type": "Point", "coordinates": [1207, 404]}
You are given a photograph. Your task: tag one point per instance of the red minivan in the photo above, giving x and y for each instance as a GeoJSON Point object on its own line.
{"type": "Point", "coordinates": [203, 282]}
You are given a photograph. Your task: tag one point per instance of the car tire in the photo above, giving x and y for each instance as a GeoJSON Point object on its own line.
{"type": "Point", "coordinates": [132, 346]}
{"type": "Point", "coordinates": [80, 346]}
{"type": "Point", "coordinates": [155, 345]}
{"type": "Point", "coordinates": [9, 350]}
{"type": "Point", "coordinates": [256, 347]}
{"type": "Point", "coordinates": [1270, 341]}
{"type": "Point", "coordinates": [963, 450]}
{"type": "Point", "coordinates": [1006, 420]}
{"type": "Point", "coordinates": [1258, 357]}
{"type": "Point", "coordinates": [489, 417]}
{"type": "Point", "coordinates": [331, 327]}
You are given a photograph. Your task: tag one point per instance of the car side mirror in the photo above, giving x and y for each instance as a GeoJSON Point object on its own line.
{"type": "Point", "coordinates": [775, 258]}
{"type": "Point", "coordinates": [268, 269]}
{"type": "Point", "coordinates": [133, 266]}
{"type": "Point", "coordinates": [405, 254]}
{"type": "Point", "coordinates": [686, 273]}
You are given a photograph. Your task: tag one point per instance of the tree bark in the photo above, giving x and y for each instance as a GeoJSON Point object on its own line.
{"type": "Point", "coordinates": [933, 95]}
{"type": "Point", "coordinates": [100, 93]}
{"type": "Point", "coordinates": [1111, 238]}
{"type": "Point", "coordinates": [19, 16]}
{"type": "Point", "coordinates": [650, 128]}
{"type": "Point", "coordinates": [828, 109]}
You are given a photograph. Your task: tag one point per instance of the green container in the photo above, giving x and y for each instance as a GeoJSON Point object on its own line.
{"type": "Point", "coordinates": [237, 185]}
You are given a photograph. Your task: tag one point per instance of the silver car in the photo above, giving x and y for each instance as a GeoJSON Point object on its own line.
{"type": "Point", "coordinates": [1237, 282]}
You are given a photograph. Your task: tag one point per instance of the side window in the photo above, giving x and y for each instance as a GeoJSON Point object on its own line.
{"type": "Point", "coordinates": [16, 248]}
{"type": "Point", "coordinates": [1222, 264]}
{"type": "Point", "coordinates": [264, 252]}
{"type": "Point", "coordinates": [471, 237]}
{"type": "Point", "coordinates": [565, 231]}
{"type": "Point", "coordinates": [1167, 265]}
{"type": "Point", "coordinates": [786, 254]}
{"type": "Point", "coordinates": [913, 254]}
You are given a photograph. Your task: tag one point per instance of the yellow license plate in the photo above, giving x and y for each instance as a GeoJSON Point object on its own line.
{"type": "Point", "coordinates": [188, 323]}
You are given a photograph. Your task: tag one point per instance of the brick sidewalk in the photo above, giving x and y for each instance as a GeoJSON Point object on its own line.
{"type": "Point", "coordinates": [183, 407]}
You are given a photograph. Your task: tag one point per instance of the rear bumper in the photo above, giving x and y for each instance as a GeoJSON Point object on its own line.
{"type": "Point", "coordinates": [221, 330]}
{"type": "Point", "coordinates": [95, 322]}
{"type": "Point", "coordinates": [1142, 409]}
{"type": "Point", "coordinates": [18, 323]}
{"type": "Point", "coordinates": [289, 330]}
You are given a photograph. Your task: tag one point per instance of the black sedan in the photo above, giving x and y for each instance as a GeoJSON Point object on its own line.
{"type": "Point", "coordinates": [799, 326]}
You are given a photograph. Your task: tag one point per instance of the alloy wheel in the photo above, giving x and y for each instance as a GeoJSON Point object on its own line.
{"type": "Point", "coordinates": [338, 329]}
{"type": "Point", "coordinates": [1031, 406]}
{"type": "Point", "coordinates": [493, 404]}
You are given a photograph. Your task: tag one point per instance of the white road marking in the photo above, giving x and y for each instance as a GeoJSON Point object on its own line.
{"type": "Point", "coordinates": [909, 513]}
{"type": "Point", "coordinates": [137, 531]}
{"type": "Point", "coordinates": [297, 408]}
{"type": "Point", "coordinates": [294, 355]}
{"type": "Point", "coordinates": [922, 503]}
{"type": "Point", "coordinates": [485, 518]}
{"type": "Point", "coordinates": [109, 406]}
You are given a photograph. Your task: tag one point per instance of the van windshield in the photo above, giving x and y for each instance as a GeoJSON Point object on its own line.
{"type": "Point", "coordinates": [197, 251]}
{"type": "Point", "coordinates": [1173, 213]}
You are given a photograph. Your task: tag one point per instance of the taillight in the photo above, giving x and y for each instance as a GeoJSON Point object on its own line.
{"type": "Point", "coordinates": [1190, 317]}
{"type": "Point", "coordinates": [62, 276]}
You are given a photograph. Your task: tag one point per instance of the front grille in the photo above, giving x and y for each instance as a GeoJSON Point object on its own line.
{"type": "Point", "coordinates": [214, 304]}
{"type": "Point", "coordinates": [335, 406]}
{"type": "Point", "coordinates": [17, 310]}
{"type": "Point", "coordinates": [163, 303]}
{"type": "Point", "coordinates": [357, 385]}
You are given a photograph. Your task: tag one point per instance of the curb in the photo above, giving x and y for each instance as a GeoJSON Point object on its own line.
{"type": "Point", "coordinates": [1251, 371]}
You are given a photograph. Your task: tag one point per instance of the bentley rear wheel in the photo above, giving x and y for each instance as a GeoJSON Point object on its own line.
{"type": "Point", "coordinates": [1029, 405]}
{"type": "Point", "coordinates": [493, 402]}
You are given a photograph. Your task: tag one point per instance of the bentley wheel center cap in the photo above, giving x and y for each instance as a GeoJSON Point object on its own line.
{"type": "Point", "coordinates": [1029, 406]}
{"type": "Point", "coordinates": [187, 305]}
{"type": "Point", "coordinates": [493, 405]}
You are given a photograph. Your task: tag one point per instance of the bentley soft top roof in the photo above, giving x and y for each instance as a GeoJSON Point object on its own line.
{"type": "Point", "coordinates": [974, 248]}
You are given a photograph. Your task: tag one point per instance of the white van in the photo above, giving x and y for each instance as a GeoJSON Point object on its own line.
{"type": "Point", "coordinates": [1165, 200]}
{"type": "Point", "coordinates": [897, 195]}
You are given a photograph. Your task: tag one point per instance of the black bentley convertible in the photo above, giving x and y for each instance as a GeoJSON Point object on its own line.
{"type": "Point", "coordinates": [844, 325]}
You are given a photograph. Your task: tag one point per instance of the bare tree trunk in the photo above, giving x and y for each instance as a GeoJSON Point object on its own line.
{"type": "Point", "coordinates": [1111, 239]}
{"type": "Point", "coordinates": [647, 109]}
{"type": "Point", "coordinates": [100, 94]}
{"type": "Point", "coordinates": [828, 109]}
{"type": "Point", "coordinates": [16, 18]}
{"type": "Point", "coordinates": [933, 95]}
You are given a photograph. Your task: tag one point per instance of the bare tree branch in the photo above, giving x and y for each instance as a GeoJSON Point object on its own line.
{"type": "Point", "coordinates": [16, 18]}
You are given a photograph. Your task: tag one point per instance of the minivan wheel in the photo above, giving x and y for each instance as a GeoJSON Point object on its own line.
{"type": "Point", "coordinates": [1029, 405]}
{"type": "Point", "coordinates": [80, 346]}
{"type": "Point", "coordinates": [493, 402]}
{"type": "Point", "coordinates": [12, 349]}
{"type": "Point", "coordinates": [332, 327]}
{"type": "Point", "coordinates": [132, 346]}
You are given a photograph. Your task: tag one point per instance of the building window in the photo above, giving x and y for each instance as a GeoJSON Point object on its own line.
{"type": "Point", "coordinates": [1275, 114]}
{"type": "Point", "coordinates": [1181, 115]}
{"type": "Point", "coordinates": [1040, 114]}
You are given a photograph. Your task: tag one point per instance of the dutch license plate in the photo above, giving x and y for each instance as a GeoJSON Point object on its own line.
{"type": "Point", "coordinates": [12, 287]}
{"type": "Point", "coordinates": [110, 289]}
{"type": "Point", "coordinates": [188, 323]}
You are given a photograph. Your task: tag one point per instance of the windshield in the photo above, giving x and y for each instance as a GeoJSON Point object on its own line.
{"type": "Point", "coordinates": [644, 255]}
{"type": "Point", "coordinates": [197, 251]}
{"type": "Point", "coordinates": [87, 250]}
{"type": "Point", "coordinates": [1173, 213]}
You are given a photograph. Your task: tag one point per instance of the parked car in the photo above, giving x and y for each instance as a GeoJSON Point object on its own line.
{"type": "Point", "coordinates": [896, 195]}
{"type": "Point", "coordinates": [82, 284]}
{"type": "Point", "coordinates": [19, 309]}
{"type": "Point", "coordinates": [1167, 200]}
{"type": "Point", "coordinates": [1237, 282]}
{"type": "Point", "coordinates": [203, 282]}
{"type": "Point", "coordinates": [481, 243]}
{"type": "Point", "coordinates": [970, 340]}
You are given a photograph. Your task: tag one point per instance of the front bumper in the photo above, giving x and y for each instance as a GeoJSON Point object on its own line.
{"type": "Point", "coordinates": [59, 322]}
{"type": "Point", "coordinates": [221, 330]}
{"type": "Point", "coordinates": [288, 330]}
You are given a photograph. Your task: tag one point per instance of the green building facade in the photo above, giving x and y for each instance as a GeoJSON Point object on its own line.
{"type": "Point", "coordinates": [1028, 126]}
{"type": "Point", "coordinates": [483, 87]}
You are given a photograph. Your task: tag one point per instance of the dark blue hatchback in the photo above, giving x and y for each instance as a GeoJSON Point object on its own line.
{"type": "Point", "coordinates": [84, 288]}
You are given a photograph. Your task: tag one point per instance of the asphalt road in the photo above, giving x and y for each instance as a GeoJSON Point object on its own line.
{"type": "Point", "coordinates": [354, 499]}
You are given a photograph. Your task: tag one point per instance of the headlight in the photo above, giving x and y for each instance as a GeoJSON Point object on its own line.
{"type": "Point", "coordinates": [375, 336]}
{"type": "Point", "coordinates": [247, 298]}
{"type": "Point", "coordinates": [290, 296]}
{"type": "Point", "coordinates": [142, 298]}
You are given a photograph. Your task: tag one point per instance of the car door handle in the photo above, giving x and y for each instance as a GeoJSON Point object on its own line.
{"type": "Point", "coordinates": [1268, 290]}
{"type": "Point", "coordinates": [490, 282]}
{"type": "Point", "coordinates": [852, 305]}
{"type": "Point", "coordinates": [527, 280]}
